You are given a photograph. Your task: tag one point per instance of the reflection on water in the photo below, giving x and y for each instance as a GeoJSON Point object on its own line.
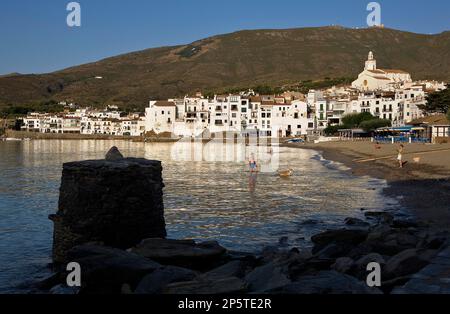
{"type": "Point", "coordinates": [208, 195]}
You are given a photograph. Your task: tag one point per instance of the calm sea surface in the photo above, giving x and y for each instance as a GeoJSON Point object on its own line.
{"type": "Point", "coordinates": [209, 194]}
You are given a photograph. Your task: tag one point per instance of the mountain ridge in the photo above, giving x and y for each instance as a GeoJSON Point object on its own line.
{"type": "Point", "coordinates": [243, 58]}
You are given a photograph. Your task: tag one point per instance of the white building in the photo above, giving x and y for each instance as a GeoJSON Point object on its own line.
{"type": "Point", "coordinates": [373, 79]}
{"type": "Point", "coordinates": [160, 116]}
{"type": "Point", "coordinates": [267, 115]}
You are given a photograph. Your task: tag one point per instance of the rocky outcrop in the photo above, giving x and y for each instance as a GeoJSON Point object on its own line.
{"type": "Point", "coordinates": [326, 282]}
{"type": "Point", "coordinates": [267, 277]}
{"type": "Point", "coordinates": [232, 285]}
{"type": "Point", "coordinates": [342, 237]}
{"type": "Point", "coordinates": [155, 282]}
{"type": "Point", "coordinates": [116, 201]}
{"type": "Point", "coordinates": [106, 270]}
{"type": "Point", "coordinates": [183, 253]}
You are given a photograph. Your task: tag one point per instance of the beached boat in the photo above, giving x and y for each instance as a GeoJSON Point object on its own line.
{"type": "Point", "coordinates": [9, 139]}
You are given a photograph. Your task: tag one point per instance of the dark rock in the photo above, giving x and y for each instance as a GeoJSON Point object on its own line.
{"type": "Point", "coordinates": [230, 285]}
{"type": "Point", "coordinates": [113, 154]}
{"type": "Point", "coordinates": [378, 232]}
{"type": "Point", "coordinates": [266, 277]}
{"type": "Point", "coordinates": [118, 203]}
{"type": "Point", "coordinates": [312, 265]}
{"type": "Point", "coordinates": [407, 262]}
{"type": "Point", "coordinates": [343, 264]}
{"type": "Point", "coordinates": [342, 236]}
{"type": "Point", "coordinates": [334, 250]}
{"type": "Point", "coordinates": [155, 282]}
{"type": "Point", "coordinates": [389, 241]}
{"type": "Point", "coordinates": [183, 253]}
{"type": "Point", "coordinates": [356, 222]}
{"type": "Point", "coordinates": [404, 239]}
{"type": "Point", "coordinates": [370, 258]}
{"type": "Point", "coordinates": [326, 282]}
{"type": "Point", "coordinates": [105, 270]}
{"type": "Point", "coordinates": [231, 269]}
{"type": "Point", "coordinates": [361, 250]}
{"type": "Point", "coordinates": [388, 285]}
{"type": "Point", "coordinates": [51, 281]}
{"type": "Point", "coordinates": [404, 223]}
{"type": "Point", "coordinates": [432, 242]}
{"type": "Point", "coordinates": [64, 290]}
{"type": "Point", "coordinates": [380, 216]}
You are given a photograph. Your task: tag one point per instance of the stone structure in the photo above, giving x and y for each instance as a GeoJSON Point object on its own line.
{"type": "Point", "coordinates": [116, 201]}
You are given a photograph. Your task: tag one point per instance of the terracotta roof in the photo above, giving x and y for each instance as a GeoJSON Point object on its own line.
{"type": "Point", "coordinates": [394, 71]}
{"type": "Point", "coordinates": [376, 71]}
{"type": "Point", "coordinates": [286, 104]}
{"type": "Point", "coordinates": [255, 99]}
{"type": "Point", "coordinates": [267, 103]}
{"type": "Point", "coordinates": [164, 104]}
{"type": "Point", "coordinates": [440, 119]}
{"type": "Point", "coordinates": [381, 78]}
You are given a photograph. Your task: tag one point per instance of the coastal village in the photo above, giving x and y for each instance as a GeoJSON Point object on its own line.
{"type": "Point", "coordinates": [388, 94]}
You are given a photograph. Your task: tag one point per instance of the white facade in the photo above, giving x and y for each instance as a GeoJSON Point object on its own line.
{"type": "Point", "coordinates": [267, 115]}
{"type": "Point", "coordinates": [160, 116]}
{"type": "Point", "coordinates": [374, 79]}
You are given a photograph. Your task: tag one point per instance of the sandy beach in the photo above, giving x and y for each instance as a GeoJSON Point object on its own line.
{"type": "Point", "coordinates": [422, 186]}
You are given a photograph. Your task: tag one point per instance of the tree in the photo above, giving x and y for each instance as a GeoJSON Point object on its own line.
{"type": "Point", "coordinates": [372, 125]}
{"type": "Point", "coordinates": [332, 130]}
{"type": "Point", "coordinates": [448, 115]}
{"type": "Point", "coordinates": [438, 102]}
{"type": "Point", "coordinates": [354, 120]}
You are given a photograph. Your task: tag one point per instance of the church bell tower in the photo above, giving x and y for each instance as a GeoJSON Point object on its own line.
{"type": "Point", "coordinates": [371, 63]}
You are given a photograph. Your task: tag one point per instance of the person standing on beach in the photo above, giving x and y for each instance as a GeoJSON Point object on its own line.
{"type": "Point", "coordinates": [400, 150]}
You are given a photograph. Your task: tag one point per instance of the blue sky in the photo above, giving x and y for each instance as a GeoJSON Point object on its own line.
{"type": "Point", "coordinates": [35, 38]}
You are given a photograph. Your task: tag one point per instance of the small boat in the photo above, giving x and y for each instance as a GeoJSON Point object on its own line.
{"type": "Point", "coordinates": [9, 139]}
{"type": "Point", "coordinates": [286, 173]}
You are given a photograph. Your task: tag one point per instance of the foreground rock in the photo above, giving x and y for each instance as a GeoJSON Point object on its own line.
{"type": "Point", "coordinates": [117, 202]}
{"type": "Point", "coordinates": [266, 278]}
{"type": "Point", "coordinates": [232, 285]}
{"type": "Point", "coordinates": [408, 262]}
{"type": "Point", "coordinates": [183, 253]}
{"type": "Point", "coordinates": [326, 282]}
{"type": "Point", "coordinates": [339, 237]}
{"type": "Point", "coordinates": [106, 270]}
{"type": "Point", "coordinates": [155, 282]}
{"type": "Point", "coordinates": [433, 279]}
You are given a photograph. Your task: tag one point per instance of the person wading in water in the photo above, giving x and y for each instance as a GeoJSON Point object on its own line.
{"type": "Point", "coordinates": [400, 150]}
{"type": "Point", "coordinates": [252, 164]}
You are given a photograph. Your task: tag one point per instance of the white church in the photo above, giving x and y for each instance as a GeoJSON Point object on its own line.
{"type": "Point", "coordinates": [373, 79]}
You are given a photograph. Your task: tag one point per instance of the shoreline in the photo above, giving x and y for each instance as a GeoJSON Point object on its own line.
{"type": "Point", "coordinates": [422, 189]}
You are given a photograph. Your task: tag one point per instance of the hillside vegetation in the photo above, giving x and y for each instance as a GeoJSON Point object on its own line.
{"type": "Point", "coordinates": [245, 59]}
